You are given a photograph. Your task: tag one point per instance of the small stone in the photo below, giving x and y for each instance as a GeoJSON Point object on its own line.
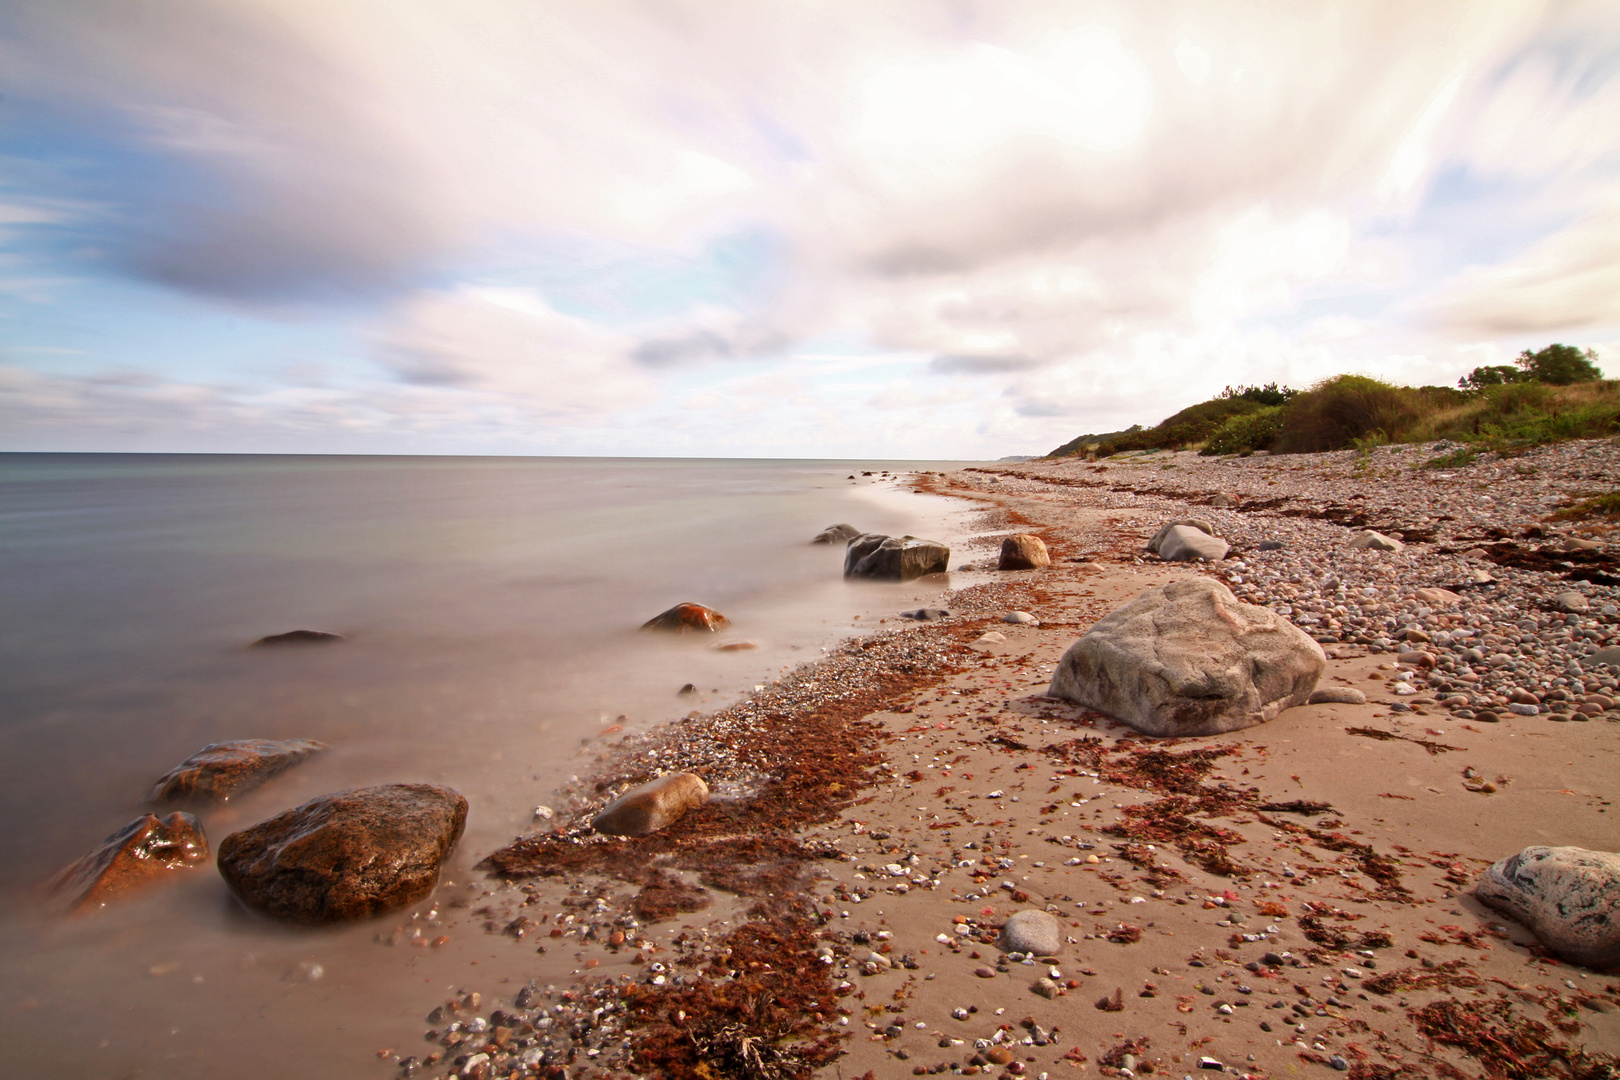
{"type": "Point", "coordinates": [1375, 541]}
{"type": "Point", "coordinates": [1336, 695]}
{"type": "Point", "coordinates": [1524, 710]}
{"type": "Point", "coordinates": [652, 806]}
{"type": "Point", "coordinates": [985, 972]}
{"type": "Point", "coordinates": [999, 1055]}
{"type": "Point", "coordinates": [1032, 931]}
{"type": "Point", "coordinates": [1339, 1063]}
{"type": "Point", "coordinates": [1213, 1064]}
{"type": "Point", "coordinates": [1270, 545]}
{"type": "Point", "coordinates": [1571, 601]}
{"type": "Point", "coordinates": [1023, 618]}
{"type": "Point", "coordinates": [687, 618]}
{"type": "Point", "coordinates": [299, 637]}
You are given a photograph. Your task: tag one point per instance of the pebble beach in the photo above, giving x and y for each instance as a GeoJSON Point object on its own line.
{"type": "Point", "coordinates": [916, 862]}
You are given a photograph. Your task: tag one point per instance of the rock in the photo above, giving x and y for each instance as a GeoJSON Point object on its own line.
{"type": "Point", "coordinates": [1572, 602]}
{"type": "Point", "coordinates": [1021, 618]}
{"type": "Point", "coordinates": [220, 770]}
{"type": "Point", "coordinates": [1569, 544]}
{"type": "Point", "coordinates": [1223, 500]}
{"type": "Point", "coordinates": [1609, 657]}
{"type": "Point", "coordinates": [347, 855]}
{"type": "Point", "coordinates": [1375, 541]}
{"type": "Point", "coordinates": [652, 806]}
{"type": "Point", "coordinates": [1336, 695]}
{"type": "Point", "coordinates": [1520, 696]}
{"type": "Point", "coordinates": [1044, 987]}
{"type": "Point", "coordinates": [1031, 931]}
{"type": "Point", "coordinates": [1184, 543]}
{"type": "Point", "coordinates": [686, 619]}
{"type": "Point", "coordinates": [1524, 710]}
{"type": "Point", "coordinates": [1187, 658]}
{"type": "Point", "coordinates": [1569, 897]}
{"type": "Point", "coordinates": [1416, 658]}
{"type": "Point", "coordinates": [142, 853]}
{"type": "Point", "coordinates": [1164, 530]}
{"type": "Point", "coordinates": [1270, 545]}
{"type": "Point", "coordinates": [299, 637]}
{"type": "Point", "coordinates": [895, 558]}
{"type": "Point", "coordinates": [733, 646]}
{"type": "Point", "coordinates": [926, 614]}
{"type": "Point", "coordinates": [1023, 552]}
{"type": "Point", "coordinates": [1436, 597]}
{"type": "Point", "coordinates": [836, 534]}
{"type": "Point", "coordinates": [990, 637]}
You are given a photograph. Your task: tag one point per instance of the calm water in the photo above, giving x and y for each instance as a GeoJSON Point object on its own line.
{"type": "Point", "coordinates": [490, 606]}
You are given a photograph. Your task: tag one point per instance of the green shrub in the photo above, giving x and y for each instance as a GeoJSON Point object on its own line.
{"type": "Point", "coordinates": [1335, 413]}
{"type": "Point", "coordinates": [1560, 365]}
{"type": "Point", "coordinates": [1246, 433]}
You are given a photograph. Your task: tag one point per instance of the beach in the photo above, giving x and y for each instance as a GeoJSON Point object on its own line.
{"type": "Point", "coordinates": [1289, 898]}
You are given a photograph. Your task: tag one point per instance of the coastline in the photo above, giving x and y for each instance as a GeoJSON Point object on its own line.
{"type": "Point", "coordinates": [880, 813]}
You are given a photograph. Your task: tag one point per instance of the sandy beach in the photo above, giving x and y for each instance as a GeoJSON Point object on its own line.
{"type": "Point", "coordinates": [1289, 899]}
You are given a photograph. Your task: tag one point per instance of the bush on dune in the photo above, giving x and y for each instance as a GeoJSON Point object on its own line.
{"type": "Point", "coordinates": [1338, 412]}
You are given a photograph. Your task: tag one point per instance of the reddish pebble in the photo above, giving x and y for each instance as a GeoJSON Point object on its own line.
{"type": "Point", "coordinates": [442, 939]}
{"type": "Point", "coordinates": [985, 972]}
{"type": "Point", "coordinates": [592, 963]}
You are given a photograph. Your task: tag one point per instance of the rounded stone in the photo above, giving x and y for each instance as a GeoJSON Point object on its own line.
{"type": "Point", "coordinates": [1031, 931]}
{"type": "Point", "coordinates": [1023, 551]}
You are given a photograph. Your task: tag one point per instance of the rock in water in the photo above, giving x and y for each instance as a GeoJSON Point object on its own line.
{"type": "Point", "coordinates": [1183, 543]}
{"type": "Point", "coordinates": [1569, 897]}
{"type": "Point", "coordinates": [347, 855]}
{"type": "Point", "coordinates": [220, 770]}
{"type": "Point", "coordinates": [1375, 541]}
{"type": "Point", "coordinates": [841, 533]}
{"type": "Point", "coordinates": [652, 806]}
{"type": "Point", "coordinates": [299, 637]}
{"type": "Point", "coordinates": [1187, 658]}
{"type": "Point", "coordinates": [1032, 931]}
{"type": "Point", "coordinates": [145, 851]}
{"type": "Point", "coordinates": [687, 619]}
{"type": "Point", "coordinates": [1023, 552]}
{"type": "Point", "coordinates": [1197, 523]}
{"type": "Point", "coordinates": [896, 558]}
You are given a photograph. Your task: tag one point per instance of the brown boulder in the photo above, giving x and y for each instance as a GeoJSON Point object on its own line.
{"type": "Point", "coordinates": [220, 770]}
{"type": "Point", "coordinates": [1022, 551]}
{"type": "Point", "coordinates": [652, 806]}
{"type": "Point", "coordinates": [347, 855]}
{"type": "Point", "coordinates": [895, 558]}
{"type": "Point", "coordinates": [686, 619]}
{"type": "Point", "coordinates": [300, 637]}
{"type": "Point", "coordinates": [142, 853]}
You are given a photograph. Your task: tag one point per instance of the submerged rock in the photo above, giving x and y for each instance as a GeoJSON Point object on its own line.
{"type": "Point", "coordinates": [897, 558]}
{"type": "Point", "coordinates": [652, 806]}
{"type": "Point", "coordinates": [220, 770]}
{"type": "Point", "coordinates": [1188, 658]}
{"type": "Point", "coordinates": [926, 614]}
{"type": "Point", "coordinates": [836, 534]}
{"type": "Point", "coordinates": [347, 855]}
{"type": "Point", "coordinates": [142, 853]}
{"type": "Point", "coordinates": [687, 619]}
{"type": "Point", "coordinates": [1568, 897]}
{"type": "Point", "coordinates": [299, 637]}
{"type": "Point", "coordinates": [1023, 551]}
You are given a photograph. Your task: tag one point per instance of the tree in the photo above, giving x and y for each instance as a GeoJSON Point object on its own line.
{"type": "Point", "coordinates": [1269, 394]}
{"type": "Point", "coordinates": [1560, 365]}
{"type": "Point", "coordinates": [1496, 375]}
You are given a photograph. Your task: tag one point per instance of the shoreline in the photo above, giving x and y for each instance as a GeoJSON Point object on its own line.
{"type": "Point", "coordinates": [859, 892]}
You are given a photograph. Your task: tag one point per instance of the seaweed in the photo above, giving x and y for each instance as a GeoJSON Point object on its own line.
{"type": "Point", "coordinates": [1387, 736]}
{"type": "Point", "coordinates": [1510, 1046]}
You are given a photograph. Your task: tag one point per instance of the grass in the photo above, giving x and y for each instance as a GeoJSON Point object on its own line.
{"type": "Point", "coordinates": [1598, 506]}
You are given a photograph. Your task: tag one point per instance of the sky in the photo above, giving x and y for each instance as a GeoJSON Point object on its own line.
{"type": "Point", "coordinates": [780, 228]}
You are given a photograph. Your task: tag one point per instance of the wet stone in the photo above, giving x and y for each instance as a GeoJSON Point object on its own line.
{"type": "Point", "coordinates": [220, 770]}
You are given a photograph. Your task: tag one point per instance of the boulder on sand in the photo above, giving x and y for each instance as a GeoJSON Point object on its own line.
{"type": "Point", "coordinates": [1032, 931]}
{"type": "Point", "coordinates": [841, 533]}
{"type": "Point", "coordinates": [1569, 897]}
{"type": "Point", "coordinates": [1022, 551]}
{"type": "Point", "coordinates": [347, 855]}
{"type": "Point", "coordinates": [896, 558]}
{"type": "Point", "coordinates": [1375, 541]}
{"type": "Point", "coordinates": [220, 770]}
{"type": "Point", "coordinates": [1183, 543]}
{"type": "Point", "coordinates": [1164, 530]}
{"type": "Point", "coordinates": [1188, 658]}
{"type": "Point", "coordinates": [145, 851]}
{"type": "Point", "coordinates": [687, 619]}
{"type": "Point", "coordinates": [652, 806]}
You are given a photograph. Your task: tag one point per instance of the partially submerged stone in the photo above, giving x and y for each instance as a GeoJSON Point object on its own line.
{"type": "Point", "coordinates": [348, 855]}
{"type": "Point", "coordinates": [841, 533]}
{"type": "Point", "coordinates": [299, 637]}
{"type": "Point", "coordinates": [144, 852]}
{"type": "Point", "coordinates": [895, 558]}
{"type": "Point", "coordinates": [1032, 931]}
{"type": "Point", "coordinates": [1023, 551]}
{"type": "Point", "coordinates": [1375, 541]}
{"type": "Point", "coordinates": [687, 619]}
{"type": "Point", "coordinates": [1183, 543]}
{"type": "Point", "coordinates": [1188, 658]}
{"type": "Point", "coordinates": [220, 770]}
{"type": "Point", "coordinates": [1569, 897]}
{"type": "Point", "coordinates": [652, 806]}
{"type": "Point", "coordinates": [926, 614]}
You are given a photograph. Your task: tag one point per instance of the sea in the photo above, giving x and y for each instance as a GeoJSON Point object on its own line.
{"type": "Point", "coordinates": [490, 610]}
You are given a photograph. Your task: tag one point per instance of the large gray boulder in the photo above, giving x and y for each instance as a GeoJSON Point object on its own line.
{"type": "Point", "coordinates": [1188, 658]}
{"type": "Point", "coordinates": [1183, 543]}
{"type": "Point", "coordinates": [1197, 523]}
{"type": "Point", "coordinates": [1569, 897]}
{"type": "Point", "coordinates": [347, 855]}
{"type": "Point", "coordinates": [897, 558]}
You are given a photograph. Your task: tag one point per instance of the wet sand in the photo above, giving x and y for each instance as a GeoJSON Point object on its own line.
{"type": "Point", "coordinates": [1285, 900]}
